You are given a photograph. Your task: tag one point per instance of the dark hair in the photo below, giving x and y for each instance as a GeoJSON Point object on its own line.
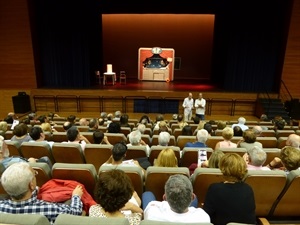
{"type": "Point", "coordinates": [35, 132]}
{"type": "Point", "coordinates": [71, 118]}
{"type": "Point", "coordinates": [208, 127]}
{"type": "Point", "coordinates": [9, 119]}
{"type": "Point", "coordinates": [143, 118]}
{"type": "Point", "coordinates": [180, 117]}
{"type": "Point", "coordinates": [237, 131]}
{"type": "Point", "coordinates": [187, 130]}
{"type": "Point", "coordinates": [20, 129]}
{"type": "Point", "coordinates": [279, 124]}
{"type": "Point", "coordinates": [114, 127]}
{"type": "Point", "coordinates": [93, 122]}
{"type": "Point", "coordinates": [72, 133]}
{"type": "Point", "coordinates": [196, 120]}
{"type": "Point", "coordinates": [119, 150]}
{"type": "Point", "coordinates": [124, 119]}
{"type": "Point", "coordinates": [67, 125]}
{"type": "Point", "coordinates": [98, 136]}
{"type": "Point", "coordinates": [113, 190]}
{"type": "Point", "coordinates": [42, 118]}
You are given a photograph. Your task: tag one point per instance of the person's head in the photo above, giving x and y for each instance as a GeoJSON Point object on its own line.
{"type": "Point", "coordinates": [46, 127]}
{"type": "Point", "coordinates": [257, 130]}
{"type": "Point", "coordinates": [9, 119]}
{"type": "Point", "coordinates": [290, 158]}
{"type": "Point", "coordinates": [180, 118]}
{"type": "Point", "coordinates": [249, 136]}
{"type": "Point", "coordinates": [32, 116]}
{"type": "Point", "coordinates": [67, 125]}
{"type": "Point", "coordinates": [114, 127]}
{"type": "Point", "coordinates": [187, 130]}
{"type": "Point", "coordinates": [3, 126]}
{"type": "Point", "coordinates": [178, 192]}
{"type": "Point", "coordinates": [18, 179]}
{"type": "Point", "coordinates": [71, 118]}
{"type": "Point", "coordinates": [233, 167]}
{"type": "Point", "coordinates": [293, 140]}
{"type": "Point", "coordinates": [119, 151]}
{"type": "Point", "coordinates": [237, 131]}
{"type": "Point", "coordinates": [215, 158]}
{"type": "Point", "coordinates": [113, 190]}
{"type": "Point", "coordinates": [221, 125]}
{"type": "Point", "coordinates": [43, 119]}
{"type": "Point", "coordinates": [164, 138]}
{"type": "Point", "coordinates": [4, 151]}
{"type": "Point", "coordinates": [98, 136]}
{"type": "Point", "coordinates": [83, 122]}
{"type": "Point", "coordinates": [124, 119]}
{"type": "Point", "coordinates": [227, 133]}
{"type": "Point", "coordinates": [264, 117]}
{"type": "Point", "coordinates": [144, 119]}
{"type": "Point", "coordinates": [118, 114]}
{"type": "Point", "coordinates": [162, 126]}
{"type": "Point", "coordinates": [257, 156]}
{"type": "Point", "coordinates": [190, 96]}
{"type": "Point", "coordinates": [279, 124]}
{"type": "Point", "coordinates": [72, 133]}
{"type": "Point", "coordinates": [174, 116]}
{"type": "Point", "coordinates": [197, 120]}
{"type": "Point", "coordinates": [135, 137]}
{"type": "Point", "coordinates": [208, 127]}
{"type": "Point", "coordinates": [159, 117]}
{"type": "Point", "coordinates": [103, 115]}
{"type": "Point", "coordinates": [202, 135]}
{"type": "Point", "coordinates": [94, 123]}
{"type": "Point", "coordinates": [141, 127]}
{"type": "Point", "coordinates": [36, 133]}
{"type": "Point", "coordinates": [20, 130]}
{"type": "Point", "coordinates": [200, 96]}
{"type": "Point", "coordinates": [166, 158]}
{"type": "Point", "coordinates": [241, 120]}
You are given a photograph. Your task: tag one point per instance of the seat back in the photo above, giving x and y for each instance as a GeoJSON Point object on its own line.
{"type": "Point", "coordinates": [8, 135]}
{"type": "Point", "coordinates": [23, 219]}
{"type": "Point", "coordinates": [89, 136]}
{"type": "Point", "coordinates": [135, 174]}
{"type": "Point", "coordinates": [85, 174]}
{"type": "Point", "coordinates": [14, 148]}
{"type": "Point", "coordinates": [240, 151]}
{"type": "Point", "coordinates": [289, 199]}
{"type": "Point", "coordinates": [182, 140]}
{"type": "Point", "coordinates": [155, 150]}
{"type": "Point", "coordinates": [266, 185]}
{"type": "Point", "coordinates": [97, 154]}
{"type": "Point", "coordinates": [134, 152]}
{"type": "Point", "coordinates": [67, 153]}
{"type": "Point", "coordinates": [284, 133]}
{"type": "Point", "coordinates": [156, 178]}
{"type": "Point", "coordinates": [271, 154]}
{"type": "Point", "coordinates": [64, 219]}
{"type": "Point", "coordinates": [213, 140]}
{"type": "Point", "coordinates": [59, 136]}
{"type": "Point", "coordinates": [190, 155]}
{"type": "Point", "coordinates": [59, 128]}
{"type": "Point", "coordinates": [146, 138]}
{"type": "Point", "coordinates": [115, 138]}
{"type": "Point", "coordinates": [82, 128]}
{"type": "Point", "coordinates": [202, 178]}
{"type": "Point", "coordinates": [36, 150]}
{"type": "Point", "coordinates": [267, 142]}
{"type": "Point", "coordinates": [268, 133]}
{"type": "Point", "coordinates": [125, 130]}
{"type": "Point", "coordinates": [176, 132]}
{"type": "Point", "coordinates": [44, 173]}
{"type": "Point", "coordinates": [155, 140]}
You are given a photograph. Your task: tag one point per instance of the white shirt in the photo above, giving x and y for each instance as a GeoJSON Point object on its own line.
{"type": "Point", "coordinates": [161, 211]}
{"type": "Point", "coordinates": [198, 103]}
{"type": "Point", "coordinates": [242, 126]}
{"type": "Point", "coordinates": [189, 103]}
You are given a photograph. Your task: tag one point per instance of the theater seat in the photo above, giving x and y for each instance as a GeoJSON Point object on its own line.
{"type": "Point", "coordinates": [153, 222]}
{"type": "Point", "coordinates": [190, 155]}
{"type": "Point", "coordinates": [66, 219]}
{"type": "Point", "coordinates": [23, 219]}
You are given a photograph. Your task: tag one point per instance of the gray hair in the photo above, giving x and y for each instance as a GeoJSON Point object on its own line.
{"type": "Point", "coordinates": [135, 137]}
{"type": "Point", "coordinates": [164, 138]}
{"type": "Point", "coordinates": [179, 191]}
{"type": "Point", "coordinates": [257, 130]}
{"type": "Point", "coordinates": [118, 114]}
{"type": "Point", "coordinates": [141, 127]}
{"type": "Point", "coordinates": [16, 178]}
{"type": "Point", "coordinates": [3, 148]}
{"type": "Point", "coordinates": [242, 120]}
{"type": "Point", "coordinates": [257, 156]}
{"type": "Point", "coordinates": [202, 135]}
{"type": "Point", "coordinates": [293, 140]}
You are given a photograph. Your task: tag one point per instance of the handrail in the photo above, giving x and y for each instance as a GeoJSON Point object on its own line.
{"type": "Point", "coordinates": [285, 90]}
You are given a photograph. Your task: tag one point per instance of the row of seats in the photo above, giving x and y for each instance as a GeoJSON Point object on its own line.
{"type": "Point", "coordinates": [274, 191]}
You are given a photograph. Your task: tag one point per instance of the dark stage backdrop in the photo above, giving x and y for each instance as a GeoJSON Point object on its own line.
{"type": "Point", "coordinates": [248, 42]}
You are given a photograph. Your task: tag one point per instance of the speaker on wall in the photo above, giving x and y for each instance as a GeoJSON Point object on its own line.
{"type": "Point", "coordinates": [21, 103]}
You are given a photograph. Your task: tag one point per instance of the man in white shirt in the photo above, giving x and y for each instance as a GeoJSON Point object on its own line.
{"type": "Point", "coordinates": [188, 105]}
{"type": "Point", "coordinates": [241, 124]}
{"type": "Point", "coordinates": [176, 205]}
{"type": "Point", "coordinates": [200, 107]}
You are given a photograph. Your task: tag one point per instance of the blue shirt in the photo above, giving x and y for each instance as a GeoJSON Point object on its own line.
{"type": "Point", "coordinates": [195, 145]}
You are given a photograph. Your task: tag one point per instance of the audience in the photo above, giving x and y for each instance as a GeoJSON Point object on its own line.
{"type": "Point", "coordinates": [237, 131]}
{"type": "Point", "coordinates": [135, 139]}
{"type": "Point", "coordinates": [100, 138]}
{"type": "Point", "coordinates": [74, 136]}
{"type": "Point", "coordinates": [187, 131]}
{"type": "Point", "coordinates": [116, 197]}
{"type": "Point", "coordinates": [124, 121]}
{"type": "Point", "coordinates": [166, 158]}
{"type": "Point", "coordinates": [255, 158]}
{"type": "Point", "coordinates": [202, 136]}
{"type": "Point", "coordinates": [176, 205]}
{"type": "Point", "coordinates": [227, 135]}
{"type": "Point", "coordinates": [93, 125]}
{"type": "Point", "coordinates": [293, 140]}
{"type": "Point", "coordinates": [231, 200]}
{"type": "Point", "coordinates": [83, 122]}
{"type": "Point", "coordinates": [3, 128]}
{"type": "Point", "coordinates": [181, 122]}
{"type": "Point", "coordinates": [164, 138]}
{"type": "Point", "coordinates": [241, 124]}
{"type": "Point", "coordinates": [249, 140]}
{"type": "Point", "coordinates": [19, 181]}
{"type": "Point", "coordinates": [21, 133]}
{"type": "Point", "coordinates": [38, 135]}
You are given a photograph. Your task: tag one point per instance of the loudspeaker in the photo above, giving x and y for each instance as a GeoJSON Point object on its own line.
{"type": "Point", "coordinates": [21, 103]}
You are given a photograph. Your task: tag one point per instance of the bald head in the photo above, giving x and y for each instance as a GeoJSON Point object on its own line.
{"type": "Point", "coordinates": [293, 140]}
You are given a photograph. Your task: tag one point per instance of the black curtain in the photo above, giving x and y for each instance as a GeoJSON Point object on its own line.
{"type": "Point", "coordinates": [249, 45]}
{"type": "Point", "coordinates": [68, 42]}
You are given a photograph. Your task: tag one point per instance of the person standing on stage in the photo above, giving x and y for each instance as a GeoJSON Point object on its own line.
{"type": "Point", "coordinates": [188, 105]}
{"type": "Point", "coordinates": [200, 107]}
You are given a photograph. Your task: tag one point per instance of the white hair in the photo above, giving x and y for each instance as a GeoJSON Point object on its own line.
{"type": "Point", "coordinates": [141, 127]}
{"type": "Point", "coordinates": [202, 135]}
{"type": "Point", "coordinates": [164, 138]}
{"type": "Point", "coordinates": [242, 120]}
{"type": "Point", "coordinates": [135, 137]}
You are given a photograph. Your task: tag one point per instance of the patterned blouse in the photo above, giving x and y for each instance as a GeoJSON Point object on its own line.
{"type": "Point", "coordinates": [133, 218]}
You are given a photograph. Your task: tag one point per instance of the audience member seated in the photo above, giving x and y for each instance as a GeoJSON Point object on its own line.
{"type": "Point", "coordinates": [141, 128]}
{"type": "Point", "coordinates": [214, 159]}
{"type": "Point", "coordinates": [37, 134]}
{"type": "Point", "coordinates": [257, 131]}
{"type": "Point", "coordinates": [164, 138]}
{"type": "Point", "coordinates": [21, 133]}
{"type": "Point", "coordinates": [74, 136]}
{"type": "Point", "coordinates": [93, 125]}
{"type": "Point", "coordinates": [119, 155]}
{"type": "Point", "coordinates": [200, 126]}
{"type": "Point", "coordinates": [116, 197]}
{"type": "Point", "coordinates": [181, 122]}
{"type": "Point", "coordinates": [279, 124]}
{"type": "Point", "coordinates": [237, 131]}
{"type": "Point", "coordinates": [187, 131]}
{"type": "Point", "coordinates": [227, 135]}
{"type": "Point", "coordinates": [117, 116]}
{"type": "Point", "coordinates": [19, 181]}
{"type": "Point", "coordinates": [83, 122]}
{"type": "Point", "coordinates": [114, 127]}
{"type": "Point", "coordinates": [221, 125]}
{"type": "Point", "coordinates": [166, 158]}
{"type": "Point", "coordinates": [201, 136]}
{"type": "Point", "coordinates": [255, 159]}
{"type": "Point", "coordinates": [208, 127]}
{"type": "Point", "coordinates": [249, 140]}
{"type": "Point", "coordinates": [241, 123]}
{"type": "Point", "coordinates": [232, 200]}
{"type": "Point", "coordinates": [264, 118]}
{"type": "Point", "coordinates": [3, 128]}
{"type": "Point", "coordinates": [46, 127]}
{"type": "Point", "coordinates": [124, 120]}
{"type": "Point", "coordinates": [71, 119]}
{"type": "Point", "coordinates": [176, 205]}
{"type": "Point", "coordinates": [293, 140]}
{"type": "Point", "coordinates": [159, 118]}
{"type": "Point", "coordinates": [135, 139]}
{"type": "Point", "coordinates": [145, 120]}
{"type": "Point", "coordinates": [163, 127]}
{"type": "Point", "coordinates": [288, 160]}
{"type": "Point", "coordinates": [100, 138]}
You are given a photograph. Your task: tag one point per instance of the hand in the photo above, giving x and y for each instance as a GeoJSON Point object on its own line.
{"type": "Point", "coordinates": [133, 207]}
{"type": "Point", "coordinates": [78, 191]}
{"type": "Point", "coordinates": [142, 142]}
{"type": "Point", "coordinates": [32, 160]}
{"type": "Point", "coordinates": [246, 158]}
